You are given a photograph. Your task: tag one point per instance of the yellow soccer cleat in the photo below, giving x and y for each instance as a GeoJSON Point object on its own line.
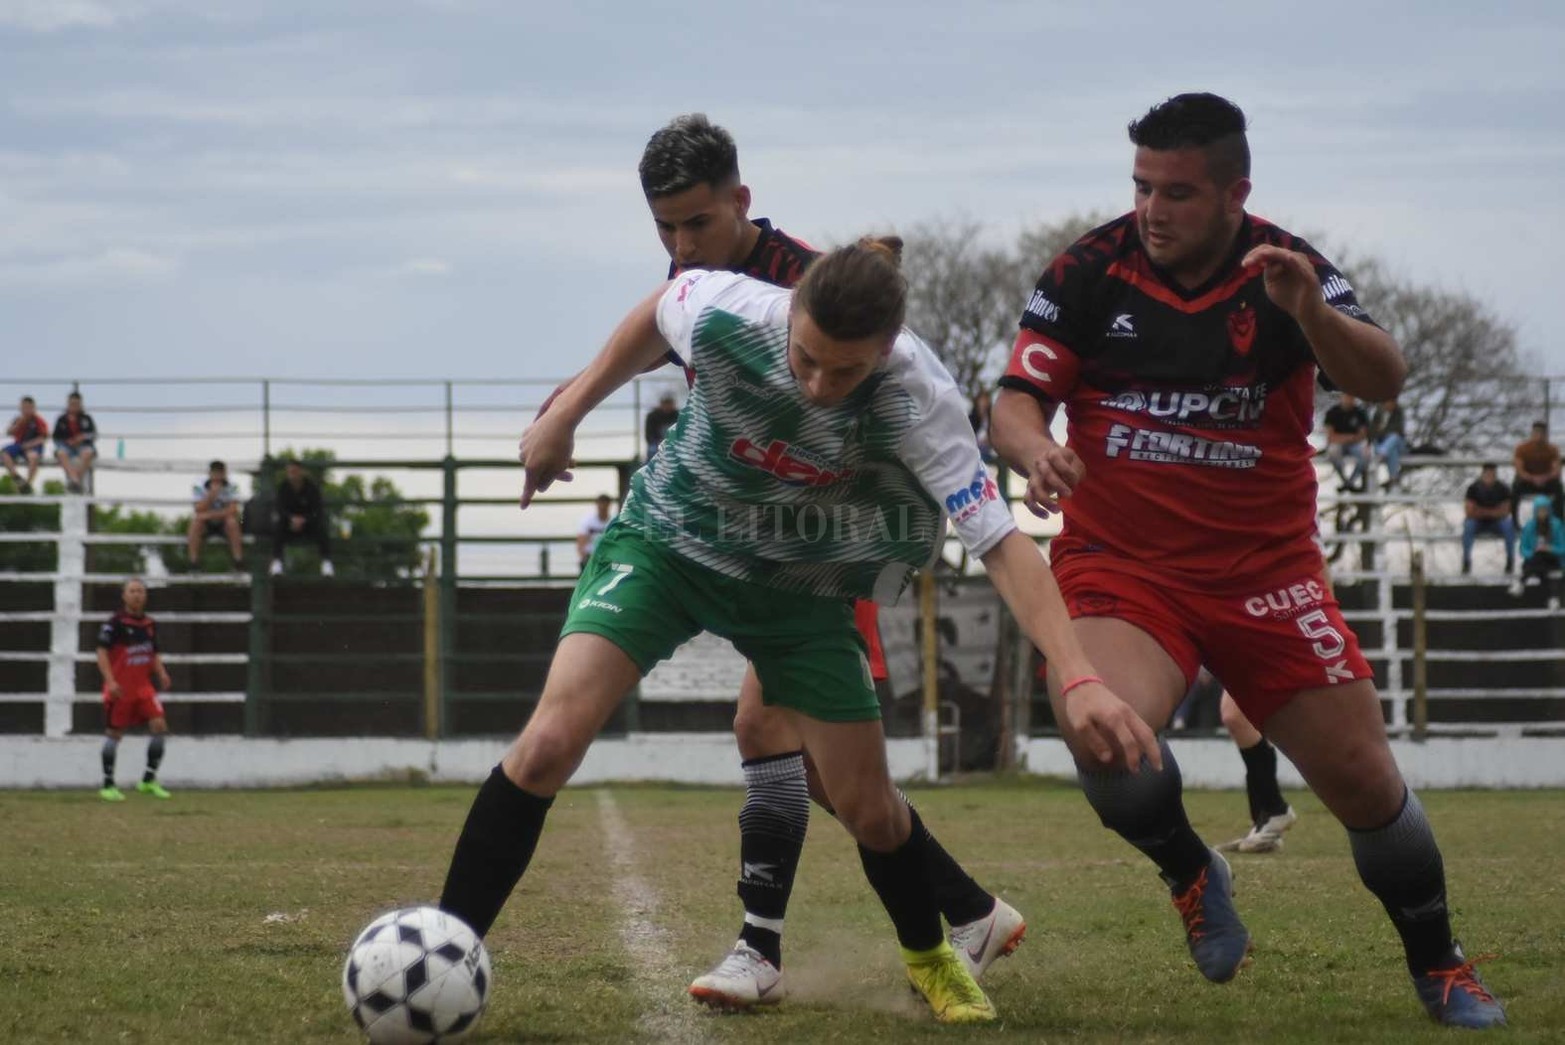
{"type": "Point", "coordinates": [952, 993]}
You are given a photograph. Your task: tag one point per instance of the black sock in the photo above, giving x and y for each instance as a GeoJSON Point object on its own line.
{"type": "Point", "coordinates": [1260, 781]}
{"type": "Point", "coordinates": [772, 825]}
{"type": "Point", "coordinates": [899, 879]}
{"type": "Point", "coordinates": [1400, 863]}
{"type": "Point", "coordinates": [961, 899]}
{"type": "Point", "coordinates": [111, 750]}
{"type": "Point", "coordinates": [496, 843]}
{"type": "Point", "coordinates": [1147, 810]}
{"type": "Point", "coordinates": [154, 758]}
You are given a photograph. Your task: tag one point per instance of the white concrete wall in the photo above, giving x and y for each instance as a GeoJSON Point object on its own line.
{"type": "Point", "coordinates": [692, 758]}
{"type": "Point", "coordinates": [1469, 762]}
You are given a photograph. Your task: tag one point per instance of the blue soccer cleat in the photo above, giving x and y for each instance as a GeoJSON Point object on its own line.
{"type": "Point", "coordinates": [1456, 997]}
{"type": "Point", "coordinates": [1218, 940]}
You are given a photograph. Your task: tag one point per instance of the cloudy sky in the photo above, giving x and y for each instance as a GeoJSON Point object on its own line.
{"type": "Point", "coordinates": [447, 187]}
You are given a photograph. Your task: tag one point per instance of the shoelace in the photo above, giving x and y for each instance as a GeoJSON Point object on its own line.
{"type": "Point", "coordinates": [958, 986]}
{"type": "Point", "coordinates": [1463, 976]}
{"type": "Point", "coordinates": [740, 963]}
{"type": "Point", "coordinates": [1188, 904]}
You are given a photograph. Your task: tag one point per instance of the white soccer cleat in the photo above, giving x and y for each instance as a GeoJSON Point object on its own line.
{"type": "Point", "coordinates": [326, 568]}
{"type": "Point", "coordinates": [977, 944]}
{"type": "Point", "coordinates": [277, 567]}
{"type": "Point", "coordinates": [742, 980]}
{"type": "Point", "coordinates": [1266, 837]}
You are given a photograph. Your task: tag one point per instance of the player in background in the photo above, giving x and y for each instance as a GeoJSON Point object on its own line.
{"type": "Point", "coordinates": [75, 436]}
{"type": "Point", "coordinates": [128, 660]}
{"type": "Point", "coordinates": [28, 432]}
{"type": "Point", "coordinates": [1182, 341]}
{"type": "Point", "coordinates": [690, 177]}
{"type": "Point", "coordinates": [1270, 813]}
{"type": "Point", "coordinates": [811, 405]}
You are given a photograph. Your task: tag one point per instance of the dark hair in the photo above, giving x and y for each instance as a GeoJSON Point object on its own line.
{"type": "Point", "coordinates": [1198, 121]}
{"type": "Point", "coordinates": [30, 399]}
{"type": "Point", "coordinates": [1541, 424]}
{"type": "Point", "coordinates": [217, 464]}
{"type": "Point", "coordinates": [857, 291]}
{"type": "Point", "coordinates": [691, 150]}
{"type": "Point", "coordinates": [75, 395]}
{"type": "Point", "coordinates": [1489, 466]}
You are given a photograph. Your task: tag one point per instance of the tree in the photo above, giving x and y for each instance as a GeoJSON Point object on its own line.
{"type": "Point", "coordinates": [965, 298]}
{"type": "Point", "coordinates": [127, 559]}
{"type": "Point", "coordinates": [30, 556]}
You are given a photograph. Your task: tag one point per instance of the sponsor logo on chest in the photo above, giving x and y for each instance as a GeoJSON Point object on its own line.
{"type": "Point", "coordinates": [786, 463]}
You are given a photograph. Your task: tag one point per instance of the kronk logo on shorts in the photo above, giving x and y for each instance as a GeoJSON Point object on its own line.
{"type": "Point", "coordinates": [787, 463]}
{"type": "Point", "coordinates": [1241, 329]}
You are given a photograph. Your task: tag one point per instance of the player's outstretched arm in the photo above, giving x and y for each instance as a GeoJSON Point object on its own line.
{"type": "Point", "coordinates": [1019, 433]}
{"type": "Point", "coordinates": [1109, 727]}
{"type": "Point", "coordinates": [548, 442]}
{"type": "Point", "coordinates": [1359, 357]}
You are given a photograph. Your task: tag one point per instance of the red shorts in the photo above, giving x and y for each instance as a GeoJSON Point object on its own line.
{"type": "Point", "coordinates": [867, 616]}
{"type": "Point", "coordinates": [134, 707]}
{"type": "Point", "coordinates": [1265, 644]}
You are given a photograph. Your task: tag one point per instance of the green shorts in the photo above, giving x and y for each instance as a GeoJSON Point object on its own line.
{"type": "Point", "coordinates": [649, 601]}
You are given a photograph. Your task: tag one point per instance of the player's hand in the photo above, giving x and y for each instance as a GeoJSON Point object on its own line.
{"type": "Point", "coordinates": [115, 692]}
{"type": "Point", "coordinates": [546, 455]}
{"type": "Point", "coordinates": [1114, 735]}
{"type": "Point", "coordinates": [1052, 474]}
{"type": "Point", "coordinates": [164, 682]}
{"type": "Point", "coordinates": [1290, 278]}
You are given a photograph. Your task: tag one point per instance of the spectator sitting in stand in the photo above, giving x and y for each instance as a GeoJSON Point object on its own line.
{"type": "Point", "coordinates": [1488, 508]}
{"type": "Point", "coordinates": [1537, 464]}
{"type": "Point", "coordinates": [978, 417]}
{"type": "Point", "coordinates": [28, 433]}
{"type": "Point", "coordinates": [301, 516]}
{"type": "Point", "coordinates": [659, 420]}
{"type": "Point", "coordinates": [592, 528]}
{"type": "Point", "coordinates": [1388, 429]}
{"type": "Point", "coordinates": [216, 515]}
{"type": "Point", "coordinates": [1542, 548]}
{"type": "Point", "coordinates": [1347, 435]}
{"type": "Point", "coordinates": [75, 434]}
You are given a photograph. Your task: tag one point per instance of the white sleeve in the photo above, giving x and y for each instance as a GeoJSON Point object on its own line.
{"type": "Point", "coordinates": [695, 291]}
{"type": "Point", "coordinates": [943, 452]}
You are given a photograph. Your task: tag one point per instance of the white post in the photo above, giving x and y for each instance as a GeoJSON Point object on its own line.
{"type": "Point", "coordinates": [1388, 630]}
{"type": "Point", "coordinates": [64, 637]}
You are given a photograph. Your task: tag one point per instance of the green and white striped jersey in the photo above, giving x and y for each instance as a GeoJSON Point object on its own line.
{"type": "Point", "coordinates": [756, 482]}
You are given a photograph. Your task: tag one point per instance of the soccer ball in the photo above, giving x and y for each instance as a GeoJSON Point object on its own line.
{"type": "Point", "coordinates": [416, 976]}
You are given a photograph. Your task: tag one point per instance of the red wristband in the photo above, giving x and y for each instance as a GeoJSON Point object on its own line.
{"type": "Point", "coordinates": [1073, 683]}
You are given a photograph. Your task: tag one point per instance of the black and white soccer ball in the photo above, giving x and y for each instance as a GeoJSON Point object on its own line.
{"type": "Point", "coordinates": [416, 976]}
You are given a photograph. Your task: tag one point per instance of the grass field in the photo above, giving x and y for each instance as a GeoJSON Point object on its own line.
{"type": "Point", "coordinates": [223, 917]}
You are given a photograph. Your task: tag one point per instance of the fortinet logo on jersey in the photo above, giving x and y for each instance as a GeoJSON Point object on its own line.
{"type": "Point", "coordinates": [1213, 407]}
{"type": "Point", "coordinates": [1140, 444]}
{"type": "Point", "coordinates": [1043, 308]}
{"type": "Point", "coordinates": [1335, 287]}
{"type": "Point", "coordinates": [970, 499]}
{"type": "Point", "coordinates": [1124, 325]}
{"type": "Point", "coordinates": [787, 463]}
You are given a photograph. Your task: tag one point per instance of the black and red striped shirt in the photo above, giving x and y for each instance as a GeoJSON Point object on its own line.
{"type": "Point", "coordinates": [1190, 408]}
{"type": "Point", "coordinates": [132, 643]}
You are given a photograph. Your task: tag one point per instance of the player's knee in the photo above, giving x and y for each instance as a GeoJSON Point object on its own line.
{"type": "Point", "coordinates": [1233, 719]}
{"type": "Point", "coordinates": [757, 731]}
{"type": "Point", "coordinates": [543, 759]}
{"type": "Point", "coordinates": [874, 816]}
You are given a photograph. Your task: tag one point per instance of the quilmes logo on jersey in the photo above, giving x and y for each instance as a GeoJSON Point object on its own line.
{"type": "Point", "coordinates": [789, 464]}
{"type": "Point", "coordinates": [969, 500]}
{"type": "Point", "coordinates": [1124, 325]}
{"type": "Point", "coordinates": [1043, 308]}
{"type": "Point", "coordinates": [1335, 287]}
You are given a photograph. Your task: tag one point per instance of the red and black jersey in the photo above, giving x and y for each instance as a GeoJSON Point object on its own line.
{"type": "Point", "coordinates": [68, 427]}
{"type": "Point", "coordinates": [26, 429]}
{"type": "Point", "coordinates": [777, 258]}
{"type": "Point", "coordinates": [1190, 408]}
{"type": "Point", "coordinates": [132, 643]}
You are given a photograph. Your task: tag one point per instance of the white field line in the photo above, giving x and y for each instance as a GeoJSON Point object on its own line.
{"type": "Point", "coordinates": [668, 1014]}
